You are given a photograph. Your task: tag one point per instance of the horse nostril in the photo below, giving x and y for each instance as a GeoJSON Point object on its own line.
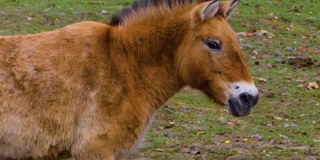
{"type": "Point", "coordinates": [246, 99]}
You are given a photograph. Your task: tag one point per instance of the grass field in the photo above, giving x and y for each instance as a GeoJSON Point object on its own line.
{"type": "Point", "coordinates": [281, 44]}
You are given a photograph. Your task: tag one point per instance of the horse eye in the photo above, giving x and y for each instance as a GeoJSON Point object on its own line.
{"type": "Point", "coordinates": [213, 44]}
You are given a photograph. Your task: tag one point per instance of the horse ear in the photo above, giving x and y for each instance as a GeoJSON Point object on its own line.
{"type": "Point", "coordinates": [209, 10]}
{"type": "Point", "coordinates": [228, 7]}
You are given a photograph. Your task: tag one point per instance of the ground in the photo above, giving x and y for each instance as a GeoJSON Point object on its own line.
{"type": "Point", "coordinates": [281, 44]}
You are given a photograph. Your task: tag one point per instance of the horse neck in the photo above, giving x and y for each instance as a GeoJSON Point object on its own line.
{"type": "Point", "coordinates": [148, 50]}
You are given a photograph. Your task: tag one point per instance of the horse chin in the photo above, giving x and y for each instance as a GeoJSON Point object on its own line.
{"type": "Point", "coordinates": [232, 110]}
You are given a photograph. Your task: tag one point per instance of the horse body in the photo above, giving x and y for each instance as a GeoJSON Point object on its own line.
{"type": "Point", "coordinates": [91, 89]}
{"type": "Point", "coordinates": [46, 86]}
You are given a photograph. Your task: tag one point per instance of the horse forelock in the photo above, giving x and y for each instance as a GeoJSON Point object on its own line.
{"type": "Point", "coordinates": [143, 6]}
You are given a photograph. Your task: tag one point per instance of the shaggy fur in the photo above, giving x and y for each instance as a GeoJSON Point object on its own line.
{"type": "Point", "coordinates": [91, 89]}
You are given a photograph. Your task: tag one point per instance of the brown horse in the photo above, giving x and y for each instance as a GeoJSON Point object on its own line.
{"type": "Point", "coordinates": [91, 89]}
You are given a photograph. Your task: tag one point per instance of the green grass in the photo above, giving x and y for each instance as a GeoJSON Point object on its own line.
{"type": "Point", "coordinates": [287, 115]}
{"type": "Point", "coordinates": [32, 16]}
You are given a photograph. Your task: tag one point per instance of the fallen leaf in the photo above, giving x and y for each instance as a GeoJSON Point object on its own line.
{"type": "Point", "coordinates": [261, 80]}
{"type": "Point", "coordinates": [278, 118]}
{"type": "Point", "coordinates": [256, 137]}
{"type": "Point", "coordinates": [289, 49]}
{"type": "Point", "coordinates": [233, 123]}
{"type": "Point", "coordinates": [254, 53]}
{"type": "Point", "coordinates": [315, 51]}
{"type": "Point", "coordinates": [261, 32]}
{"type": "Point", "coordinates": [300, 81]}
{"type": "Point", "coordinates": [217, 143]}
{"type": "Point", "coordinates": [246, 46]}
{"type": "Point", "coordinates": [302, 49]}
{"type": "Point", "coordinates": [200, 132]}
{"type": "Point", "coordinates": [283, 136]}
{"type": "Point", "coordinates": [188, 151]}
{"type": "Point", "coordinates": [249, 34]}
{"type": "Point", "coordinates": [276, 53]}
{"type": "Point", "coordinates": [227, 142]}
{"type": "Point", "coordinates": [260, 56]}
{"type": "Point", "coordinates": [271, 14]}
{"type": "Point", "coordinates": [185, 150]}
{"type": "Point", "coordinates": [104, 12]}
{"type": "Point", "coordinates": [312, 85]}
{"type": "Point", "coordinates": [242, 34]}
{"type": "Point", "coordinates": [194, 152]}
{"type": "Point", "coordinates": [272, 141]}
{"type": "Point", "coordinates": [269, 65]}
{"type": "Point", "coordinates": [159, 128]}
{"type": "Point", "coordinates": [160, 150]}
{"type": "Point", "coordinates": [299, 61]}
{"type": "Point", "coordinates": [29, 18]}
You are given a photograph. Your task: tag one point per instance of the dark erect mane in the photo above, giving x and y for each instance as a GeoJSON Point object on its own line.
{"type": "Point", "coordinates": [118, 19]}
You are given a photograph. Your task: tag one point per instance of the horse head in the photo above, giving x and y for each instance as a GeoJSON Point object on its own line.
{"type": "Point", "coordinates": [210, 59]}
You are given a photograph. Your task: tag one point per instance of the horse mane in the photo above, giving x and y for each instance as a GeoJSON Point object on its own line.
{"type": "Point", "coordinates": [143, 6]}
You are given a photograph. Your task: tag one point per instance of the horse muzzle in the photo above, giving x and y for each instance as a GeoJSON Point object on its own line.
{"type": "Point", "coordinates": [242, 101]}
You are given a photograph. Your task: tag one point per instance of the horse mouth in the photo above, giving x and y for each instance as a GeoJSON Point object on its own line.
{"type": "Point", "coordinates": [242, 105]}
{"type": "Point", "coordinates": [236, 110]}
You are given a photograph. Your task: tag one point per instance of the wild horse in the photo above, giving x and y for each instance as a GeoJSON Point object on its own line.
{"type": "Point", "coordinates": [91, 89]}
